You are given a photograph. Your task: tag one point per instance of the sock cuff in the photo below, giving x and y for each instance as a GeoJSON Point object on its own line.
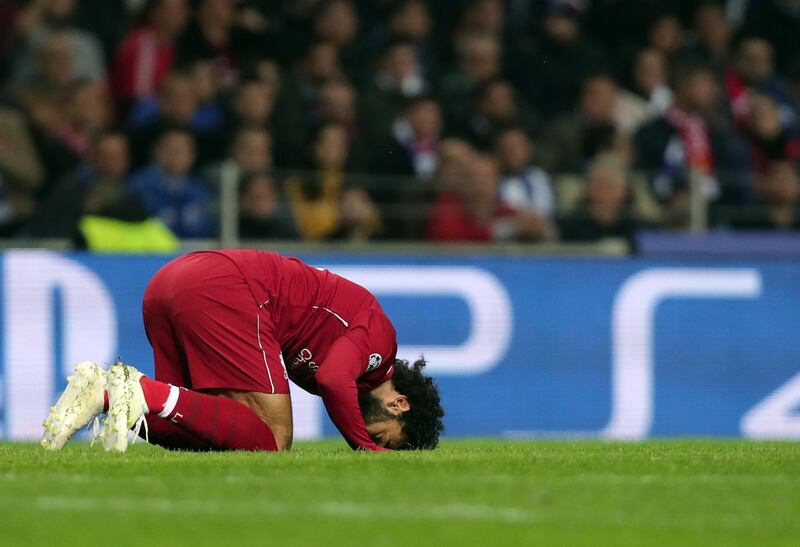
{"type": "Point", "coordinates": [172, 400]}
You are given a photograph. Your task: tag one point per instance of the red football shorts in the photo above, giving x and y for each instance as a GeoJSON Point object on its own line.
{"type": "Point", "coordinates": [207, 330]}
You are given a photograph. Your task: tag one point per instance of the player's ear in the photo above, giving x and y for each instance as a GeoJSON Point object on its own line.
{"type": "Point", "coordinates": [400, 403]}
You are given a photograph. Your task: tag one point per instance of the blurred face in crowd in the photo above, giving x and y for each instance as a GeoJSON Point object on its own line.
{"type": "Point", "coordinates": [425, 119]}
{"type": "Point", "coordinates": [178, 99]}
{"type": "Point", "coordinates": [666, 35]}
{"type": "Point", "coordinates": [56, 61]}
{"type": "Point", "coordinates": [485, 16]}
{"type": "Point", "coordinates": [781, 185]}
{"type": "Point", "coordinates": [515, 150]}
{"type": "Point", "coordinates": [169, 17]}
{"type": "Point", "coordinates": [60, 10]}
{"type": "Point", "coordinates": [765, 120]}
{"type": "Point", "coordinates": [357, 209]}
{"type": "Point", "coordinates": [411, 21]}
{"type": "Point", "coordinates": [337, 102]}
{"type": "Point", "coordinates": [480, 56]}
{"type": "Point", "coordinates": [755, 60]}
{"type": "Point", "coordinates": [252, 150]}
{"type": "Point", "coordinates": [254, 102]}
{"type": "Point", "coordinates": [455, 156]}
{"type": "Point", "coordinates": [206, 81]}
{"type": "Point", "coordinates": [483, 178]}
{"type": "Point", "coordinates": [330, 148]}
{"type": "Point", "coordinates": [322, 62]}
{"type": "Point", "coordinates": [110, 156]}
{"type": "Point", "coordinates": [217, 13]}
{"type": "Point", "coordinates": [90, 106]}
{"type": "Point", "coordinates": [175, 154]}
{"type": "Point", "coordinates": [269, 72]}
{"type": "Point", "coordinates": [606, 186]}
{"type": "Point", "coordinates": [259, 199]}
{"type": "Point", "coordinates": [599, 99]}
{"type": "Point", "coordinates": [400, 62]}
{"type": "Point", "coordinates": [338, 23]}
{"type": "Point", "coordinates": [698, 92]}
{"type": "Point", "coordinates": [712, 28]}
{"type": "Point", "coordinates": [650, 71]}
{"type": "Point", "coordinates": [561, 29]}
{"type": "Point", "coordinates": [498, 102]}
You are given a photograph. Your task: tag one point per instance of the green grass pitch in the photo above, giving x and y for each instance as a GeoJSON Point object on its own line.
{"type": "Point", "coordinates": [472, 492]}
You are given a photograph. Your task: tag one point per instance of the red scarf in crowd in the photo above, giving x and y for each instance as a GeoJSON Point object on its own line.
{"type": "Point", "coordinates": [695, 139]}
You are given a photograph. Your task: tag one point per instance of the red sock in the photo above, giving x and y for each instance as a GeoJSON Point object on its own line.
{"type": "Point", "coordinates": [168, 435]}
{"type": "Point", "coordinates": [222, 423]}
{"type": "Point", "coordinates": [155, 393]}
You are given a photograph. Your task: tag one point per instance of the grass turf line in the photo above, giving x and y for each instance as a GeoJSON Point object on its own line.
{"type": "Point", "coordinates": [474, 492]}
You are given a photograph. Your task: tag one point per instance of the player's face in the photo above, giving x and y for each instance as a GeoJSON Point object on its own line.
{"type": "Point", "coordinates": [381, 409]}
{"type": "Point", "coordinates": [387, 433]}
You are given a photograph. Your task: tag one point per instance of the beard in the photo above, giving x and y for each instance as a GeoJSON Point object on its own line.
{"type": "Point", "coordinates": [372, 409]}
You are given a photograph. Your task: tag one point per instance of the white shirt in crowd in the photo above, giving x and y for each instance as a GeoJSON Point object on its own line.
{"type": "Point", "coordinates": [530, 191]}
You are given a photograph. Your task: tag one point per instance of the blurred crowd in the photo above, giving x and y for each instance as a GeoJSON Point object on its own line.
{"type": "Point", "coordinates": [440, 120]}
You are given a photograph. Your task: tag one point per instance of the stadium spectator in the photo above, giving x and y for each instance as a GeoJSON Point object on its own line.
{"type": "Point", "coordinates": [214, 36]}
{"type": "Point", "coordinates": [360, 218]}
{"type": "Point", "coordinates": [316, 197]}
{"type": "Point", "coordinates": [650, 80]}
{"type": "Point", "coordinates": [298, 97]}
{"type": "Point", "coordinates": [481, 17]}
{"type": "Point", "coordinates": [455, 157]}
{"type": "Point", "coordinates": [713, 35]}
{"type": "Point", "coordinates": [666, 35]}
{"type": "Point", "coordinates": [769, 139]}
{"type": "Point", "coordinates": [252, 150]}
{"type": "Point", "coordinates": [21, 172]}
{"type": "Point", "coordinates": [606, 209]}
{"type": "Point", "coordinates": [45, 100]}
{"type": "Point", "coordinates": [262, 212]}
{"type": "Point", "coordinates": [397, 79]}
{"type": "Point", "coordinates": [473, 212]}
{"type": "Point", "coordinates": [551, 74]}
{"type": "Point", "coordinates": [337, 22]}
{"type": "Point", "coordinates": [478, 58]}
{"type": "Point", "coordinates": [410, 21]}
{"type": "Point", "coordinates": [754, 70]}
{"type": "Point", "coordinates": [250, 153]}
{"type": "Point", "coordinates": [41, 19]}
{"type": "Point", "coordinates": [226, 68]}
{"type": "Point", "coordinates": [55, 67]}
{"type": "Point", "coordinates": [683, 143]}
{"type": "Point", "coordinates": [524, 188]}
{"type": "Point", "coordinates": [9, 14]}
{"type": "Point", "coordinates": [170, 191]}
{"type": "Point", "coordinates": [606, 120]}
{"type": "Point", "coordinates": [416, 135]}
{"type": "Point", "coordinates": [209, 115]}
{"type": "Point", "coordinates": [88, 110]}
{"type": "Point", "coordinates": [495, 104]}
{"type": "Point", "coordinates": [778, 193]}
{"type": "Point", "coordinates": [147, 52]}
{"type": "Point", "coordinates": [97, 187]}
{"type": "Point", "coordinates": [253, 103]}
{"type": "Point", "coordinates": [178, 105]}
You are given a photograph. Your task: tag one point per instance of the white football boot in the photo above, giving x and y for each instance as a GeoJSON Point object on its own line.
{"type": "Point", "coordinates": [126, 406]}
{"type": "Point", "coordinates": [81, 402]}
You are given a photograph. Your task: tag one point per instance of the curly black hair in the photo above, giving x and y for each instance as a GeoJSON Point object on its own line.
{"type": "Point", "coordinates": [422, 424]}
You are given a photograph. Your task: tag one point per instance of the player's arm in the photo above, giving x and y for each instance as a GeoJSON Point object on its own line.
{"type": "Point", "coordinates": [336, 377]}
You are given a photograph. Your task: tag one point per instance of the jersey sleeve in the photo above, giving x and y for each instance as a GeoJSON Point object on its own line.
{"type": "Point", "coordinates": [363, 349]}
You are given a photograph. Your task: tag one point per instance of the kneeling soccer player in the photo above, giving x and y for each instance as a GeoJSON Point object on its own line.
{"type": "Point", "coordinates": [220, 323]}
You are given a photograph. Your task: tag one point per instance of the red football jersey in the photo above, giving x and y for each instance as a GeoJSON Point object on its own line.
{"type": "Point", "coordinates": [334, 337]}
